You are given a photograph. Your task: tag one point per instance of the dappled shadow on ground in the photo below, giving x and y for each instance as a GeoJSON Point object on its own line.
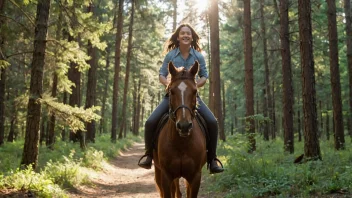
{"type": "Point", "coordinates": [126, 189]}
{"type": "Point", "coordinates": [129, 157]}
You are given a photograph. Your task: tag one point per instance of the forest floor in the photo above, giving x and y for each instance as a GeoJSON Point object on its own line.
{"type": "Point", "coordinates": [123, 178]}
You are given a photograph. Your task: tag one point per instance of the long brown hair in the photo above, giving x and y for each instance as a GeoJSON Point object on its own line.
{"type": "Point", "coordinates": [173, 43]}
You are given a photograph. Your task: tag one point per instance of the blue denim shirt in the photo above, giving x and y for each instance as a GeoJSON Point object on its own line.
{"type": "Point", "coordinates": [177, 59]}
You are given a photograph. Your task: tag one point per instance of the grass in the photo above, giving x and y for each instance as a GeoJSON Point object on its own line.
{"type": "Point", "coordinates": [270, 172]}
{"type": "Point", "coordinates": [58, 169]}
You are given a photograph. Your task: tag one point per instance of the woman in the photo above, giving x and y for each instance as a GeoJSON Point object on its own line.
{"type": "Point", "coordinates": [183, 50]}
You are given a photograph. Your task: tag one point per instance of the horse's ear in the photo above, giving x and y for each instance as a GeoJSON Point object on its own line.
{"type": "Point", "coordinates": [194, 69]}
{"type": "Point", "coordinates": [172, 68]}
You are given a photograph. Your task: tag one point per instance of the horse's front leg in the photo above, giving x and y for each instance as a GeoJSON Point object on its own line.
{"type": "Point", "coordinates": [158, 180]}
{"type": "Point", "coordinates": [176, 188]}
{"type": "Point", "coordinates": [166, 185]}
{"type": "Point", "coordinates": [193, 186]}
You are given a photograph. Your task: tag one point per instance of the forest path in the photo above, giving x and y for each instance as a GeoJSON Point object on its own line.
{"type": "Point", "coordinates": [123, 178]}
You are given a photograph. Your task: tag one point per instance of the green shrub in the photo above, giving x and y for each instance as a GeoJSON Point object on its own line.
{"type": "Point", "coordinates": [269, 171]}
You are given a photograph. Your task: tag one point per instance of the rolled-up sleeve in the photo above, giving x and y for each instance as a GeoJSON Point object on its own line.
{"type": "Point", "coordinates": [203, 72]}
{"type": "Point", "coordinates": [164, 71]}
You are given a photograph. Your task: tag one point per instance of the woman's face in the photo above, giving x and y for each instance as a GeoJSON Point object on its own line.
{"type": "Point", "coordinates": [185, 36]}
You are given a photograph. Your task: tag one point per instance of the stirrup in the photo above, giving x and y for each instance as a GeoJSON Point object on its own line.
{"type": "Point", "coordinates": [146, 155]}
{"type": "Point", "coordinates": [215, 159]}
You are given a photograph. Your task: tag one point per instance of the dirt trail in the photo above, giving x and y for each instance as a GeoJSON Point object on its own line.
{"type": "Point", "coordinates": [123, 178]}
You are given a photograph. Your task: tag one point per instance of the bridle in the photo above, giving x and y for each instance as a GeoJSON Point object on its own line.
{"type": "Point", "coordinates": [172, 113]}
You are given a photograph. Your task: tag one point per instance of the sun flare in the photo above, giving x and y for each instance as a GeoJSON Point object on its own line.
{"type": "Point", "coordinates": [202, 5]}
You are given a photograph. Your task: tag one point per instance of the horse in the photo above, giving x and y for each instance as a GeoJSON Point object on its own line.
{"type": "Point", "coordinates": [181, 145]}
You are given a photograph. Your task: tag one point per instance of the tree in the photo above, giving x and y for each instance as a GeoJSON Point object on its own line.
{"type": "Point", "coordinates": [348, 27]}
{"type": "Point", "coordinates": [91, 83]}
{"type": "Point", "coordinates": [215, 87]}
{"type": "Point", "coordinates": [127, 75]}
{"type": "Point", "coordinates": [311, 142]}
{"type": "Point", "coordinates": [286, 77]}
{"type": "Point", "coordinates": [267, 93]}
{"type": "Point", "coordinates": [2, 76]}
{"type": "Point", "coordinates": [335, 77]}
{"type": "Point", "coordinates": [30, 149]}
{"type": "Point", "coordinates": [248, 64]}
{"type": "Point", "coordinates": [117, 71]}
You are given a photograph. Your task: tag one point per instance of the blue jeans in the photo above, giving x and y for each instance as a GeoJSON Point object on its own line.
{"type": "Point", "coordinates": [154, 118]}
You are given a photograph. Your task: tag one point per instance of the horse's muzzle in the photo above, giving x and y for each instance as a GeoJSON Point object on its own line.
{"type": "Point", "coordinates": [184, 128]}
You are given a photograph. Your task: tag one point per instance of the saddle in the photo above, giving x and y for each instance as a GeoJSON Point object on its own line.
{"type": "Point", "coordinates": [201, 122]}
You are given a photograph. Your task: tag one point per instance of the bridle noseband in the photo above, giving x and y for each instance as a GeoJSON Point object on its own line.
{"type": "Point", "coordinates": [172, 114]}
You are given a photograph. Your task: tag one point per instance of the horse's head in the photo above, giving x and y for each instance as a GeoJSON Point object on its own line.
{"type": "Point", "coordinates": [183, 97]}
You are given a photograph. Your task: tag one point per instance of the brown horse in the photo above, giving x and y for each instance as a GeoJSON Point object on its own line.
{"type": "Point", "coordinates": [181, 150]}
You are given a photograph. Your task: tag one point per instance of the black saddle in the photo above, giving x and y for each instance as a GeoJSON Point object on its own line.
{"type": "Point", "coordinates": [201, 122]}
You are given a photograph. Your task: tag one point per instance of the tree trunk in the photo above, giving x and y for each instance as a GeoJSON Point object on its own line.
{"type": "Point", "coordinates": [349, 57]}
{"type": "Point", "coordinates": [327, 123]}
{"type": "Point", "coordinates": [117, 71]}
{"type": "Point", "coordinates": [138, 117]}
{"type": "Point", "coordinates": [273, 117]}
{"type": "Point", "coordinates": [75, 99]}
{"type": "Point", "coordinates": [248, 62]}
{"type": "Point", "coordinates": [2, 99]}
{"type": "Point", "coordinates": [51, 125]}
{"type": "Point", "coordinates": [286, 77]}
{"type": "Point", "coordinates": [215, 87]}
{"type": "Point", "coordinates": [267, 94]}
{"type": "Point", "coordinates": [2, 77]}
{"type": "Point", "coordinates": [174, 14]}
{"type": "Point", "coordinates": [127, 75]}
{"type": "Point", "coordinates": [321, 130]}
{"type": "Point", "coordinates": [31, 144]}
{"type": "Point", "coordinates": [42, 135]}
{"type": "Point", "coordinates": [311, 142]}
{"type": "Point", "coordinates": [335, 76]}
{"type": "Point", "coordinates": [91, 84]}
{"type": "Point", "coordinates": [63, 132]}
{"type": "Point", "coordinates": [299, 126]}
{"type": "Point", "coordinates": [134, 106]}
{"type": "Point", "coordinates": [106, 86]}
{"type": "Point", "coordinates": [223, 105]}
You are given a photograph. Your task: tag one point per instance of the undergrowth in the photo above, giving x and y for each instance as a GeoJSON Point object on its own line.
{"type": "Point", "coordinates": [59, 168]}
{"type": "Point", "coordinates": [270, 172]}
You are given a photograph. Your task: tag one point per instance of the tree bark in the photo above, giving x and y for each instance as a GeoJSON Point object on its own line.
{"type": "Point", "coordinates": [91, 84]}
{"type": "Point", "coordinates": [106, 86]}
{"type": "Point", "coordinates": [174, 14]}
{"type": "Point", "coordinates": [2, 77]}
{"type": "Point", "coordinates": [215, 87]}
{"type": "Point", "coordinates": [286, 77]}
{"type": "Point", "coordinates": [267, 94]}
{"type": "Point", "coordinates": [335, 76]}
{"type": "Point", "coordinates": [248, 62]}
{"type": "Point", "coordinates": [348, 23]}
{"type": "Point", "coordinates": [311, 142]}
{"type": "Point", "coordinates": [117, 71]}
{"type": "Point", "coordinates": [31, 144]}
{"type": "Point", "coordinates": [128, 68]}
{"type": "Point", "coordinates": [75, 98]}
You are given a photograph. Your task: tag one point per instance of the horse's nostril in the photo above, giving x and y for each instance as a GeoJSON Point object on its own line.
{"type": "Point", "coordinates": [190, 126]}
{"type": "Point", "coordinates": [178, 125]}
